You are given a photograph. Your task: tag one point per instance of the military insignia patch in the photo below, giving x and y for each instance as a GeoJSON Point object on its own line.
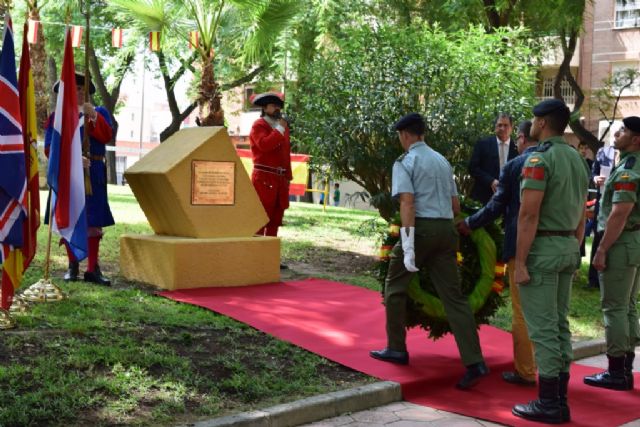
{"type": "Point", "coordinates": [536, 173]}
{"type": "Point", "coordinates": [624, 186]}
{"type": "Point", "coordinates": [534, 160]}
{"type": "Point", "coordinates": [624, 176]}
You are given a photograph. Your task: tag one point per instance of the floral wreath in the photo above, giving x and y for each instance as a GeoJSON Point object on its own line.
{"type": "Point", "coordinates": [482, 279]}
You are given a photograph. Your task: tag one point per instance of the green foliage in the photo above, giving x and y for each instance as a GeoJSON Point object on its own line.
{"type": "Point", "coordinates": [429, 316]}
{"type": "Point", "coordinates": [352, 95]}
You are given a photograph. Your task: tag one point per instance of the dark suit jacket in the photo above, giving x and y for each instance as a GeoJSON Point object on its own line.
{"type": "Point", "coordinates": [484, 166]}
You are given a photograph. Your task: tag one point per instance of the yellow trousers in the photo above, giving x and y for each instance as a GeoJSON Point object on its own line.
{"type": "Point", "coordinates": [523, 357]}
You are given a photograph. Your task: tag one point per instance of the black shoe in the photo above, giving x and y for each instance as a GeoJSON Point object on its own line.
{"type": "Point", "coordinates": [547, 408]}
{"type": "Point", "coordinates": [515, 378]}
{"type": "Point", "coordinates": [96, 277]}
{"type": "Point", "coordinates": [473, 375]}
{"type": "Point", "coordinates": [73, 272]}
{"type": "Point", "coordinates": [609, 379]}
{"type": "Point", "coordinates": [541, 410]}
{"type": "Point", "coordinates": [392, 356]}
{"type": "Point", "coordinates": [613, 378]}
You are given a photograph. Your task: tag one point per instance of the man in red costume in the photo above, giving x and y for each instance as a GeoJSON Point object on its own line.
{"type": "Point", "coordinates": [271, 148]}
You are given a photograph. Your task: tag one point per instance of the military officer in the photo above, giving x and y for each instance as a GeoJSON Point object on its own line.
{"type": "Point", "coordinates": [550, 229]}
{"type": "Point", "coordinates": [618, 260]}
{"type": "Point", "coordinates": [422, 179]}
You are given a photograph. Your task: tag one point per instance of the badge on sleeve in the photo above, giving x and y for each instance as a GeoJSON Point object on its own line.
{"type": "Point", "coordinates": [534, 169]}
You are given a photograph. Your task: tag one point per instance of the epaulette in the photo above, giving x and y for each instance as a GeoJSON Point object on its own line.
{"type": "Point", "coordinates": [544, 147]}
{"type": "Point", "coordinates": [630, 163]}
{"type": "Point", "coordinates": [401, 158]}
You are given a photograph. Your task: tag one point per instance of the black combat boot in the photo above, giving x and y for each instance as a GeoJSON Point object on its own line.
{"type": "Point", "coordinates": [628, 368]}
{"type": "Point", "coordinates": [96, 276]}
{"type": "Point", "coordinates": [613, 378]}
{"type": "Point", "coordinates": [563, 389]}
{"type": "Point", "coordinates": [72, 273]}
{"type": "Point", "coordinates": [547, 408]}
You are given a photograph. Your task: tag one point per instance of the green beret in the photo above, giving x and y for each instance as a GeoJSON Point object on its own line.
{"type": "Point", "coordinates": [550, 106]}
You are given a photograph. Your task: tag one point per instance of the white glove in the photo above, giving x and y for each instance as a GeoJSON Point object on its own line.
{"type": "Point", "coordinates": [407, 235]}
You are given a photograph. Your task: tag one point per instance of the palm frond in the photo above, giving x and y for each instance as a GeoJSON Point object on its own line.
{"type": "Point", "coordinates": [268, 18]}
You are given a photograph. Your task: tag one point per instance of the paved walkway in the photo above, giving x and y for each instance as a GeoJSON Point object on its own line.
{"type": "Point", "coordinates": [404, 414]}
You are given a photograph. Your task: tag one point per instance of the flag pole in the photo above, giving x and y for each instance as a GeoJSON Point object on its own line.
{"type": "Point", "coordinates": [44, 290]}
{"type": "Point", "coordinates": [87, 78]}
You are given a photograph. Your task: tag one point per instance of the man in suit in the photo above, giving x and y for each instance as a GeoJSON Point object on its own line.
{"type": "Point", "coordinates": [489, 155]}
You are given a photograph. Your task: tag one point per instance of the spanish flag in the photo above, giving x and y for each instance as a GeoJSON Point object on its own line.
{"type": "Point", "coordinates": [154, 41]}
{"type": "Point", "coordinates": [299, 170]}
{"type": "Point", "coordinates": [29, 136]}
{"type": "Point", "coordinates": [194, 39]}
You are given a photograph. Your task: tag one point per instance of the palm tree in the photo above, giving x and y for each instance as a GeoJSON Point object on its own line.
{"type": "Point", "coordinates": [250, 25]}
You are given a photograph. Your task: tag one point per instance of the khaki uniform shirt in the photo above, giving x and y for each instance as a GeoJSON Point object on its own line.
{"type": "Point", "coordinates": [427, 175]}
{"type": "Point", "coordinates": [622, 186]}
{"type": "Point", "coordinates": [557, 169]}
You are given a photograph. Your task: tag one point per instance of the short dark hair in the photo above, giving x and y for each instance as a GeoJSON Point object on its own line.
{"type": "Point", "coordinates": [558, 120]}
{"type": "Point", "coordinates": [416, 128]}
{"type": "Point", "coordinates": [502, 115]}
{"type": "Point", "coordinates": [582, 143]}
{"type": "Point", "coordinates": [525, 129]}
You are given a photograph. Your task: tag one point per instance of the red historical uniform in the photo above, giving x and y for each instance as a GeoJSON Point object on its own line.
{"type": "Point", "coordinates": [271, 171]}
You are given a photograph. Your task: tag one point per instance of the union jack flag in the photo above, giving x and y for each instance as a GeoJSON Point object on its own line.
{"type": "Point", "coordinates": [13, 177]}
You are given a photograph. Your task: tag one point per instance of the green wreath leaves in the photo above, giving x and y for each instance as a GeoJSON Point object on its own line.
{"type": "Point", "coordinates": [481, 274]}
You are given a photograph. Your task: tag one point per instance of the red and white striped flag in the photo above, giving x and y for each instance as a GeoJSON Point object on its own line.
{"type": "Point", "coordinates": [154, 41]}
{"type": "Point", "coordinates": [194, 39]}
{"type": "Point", "coordinates": [116, 37]}
{"type": "Point", "coordinates": [76, 35]}
{"type": "Point", "coordinates": [65, 174]}
{"type": "Point", "coordinates": [32, 33]}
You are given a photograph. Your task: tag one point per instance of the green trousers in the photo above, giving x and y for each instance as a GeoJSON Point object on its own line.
{"type": "Point", "coordinates": [619, 284]}
{"type": "Point", "coordinates": [545, 301]}
{"type": "Point", "coordinates": [436, 242]}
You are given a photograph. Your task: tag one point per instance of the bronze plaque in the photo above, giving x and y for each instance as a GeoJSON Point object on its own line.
{"type": "Point", "coordinates": [212, 183]}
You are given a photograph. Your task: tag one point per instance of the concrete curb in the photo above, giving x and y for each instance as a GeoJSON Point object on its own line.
{"type": "Point", "coordinates": [330, 405]}
{"type": "Point", "coordinates": [313, 408]}
{"type": "Point", "coordinates": [589, 348]}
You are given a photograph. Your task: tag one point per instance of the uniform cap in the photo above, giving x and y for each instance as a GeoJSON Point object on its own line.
{"type": "Point", "coordinates": [79, 82]}
{"type": "Point", "coordinates": [409, 120]}
{"type": "Point", "coordinates": [550, 106]}
{"type": "Point", "coordinates": [263, 99]}
{"type": "Point", "coordinates": [632, 123]}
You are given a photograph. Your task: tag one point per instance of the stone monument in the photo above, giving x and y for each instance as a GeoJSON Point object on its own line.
{"type": "Point", "coordinates": [204, 211]}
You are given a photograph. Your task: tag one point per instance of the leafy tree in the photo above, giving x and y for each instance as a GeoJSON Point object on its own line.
{"type": "Point", "coordinates": [353, 94]}
{"type": "Point", "coordinates": [248, 29]}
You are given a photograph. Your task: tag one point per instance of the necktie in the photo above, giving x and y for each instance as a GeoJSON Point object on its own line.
{"type": "Point", "coordinates": [501, 153]}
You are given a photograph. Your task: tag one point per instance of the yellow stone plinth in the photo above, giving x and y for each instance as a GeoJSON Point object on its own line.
{"type": "Point", "coordinates": [180, 262]}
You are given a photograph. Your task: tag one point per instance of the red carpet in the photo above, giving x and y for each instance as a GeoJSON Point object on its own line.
{"type": "Point", "coordinates": [343, 322]}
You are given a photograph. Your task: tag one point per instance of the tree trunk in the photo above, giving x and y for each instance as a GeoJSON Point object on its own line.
{"type": "Point", "coordinates": [569, 45]}
{"type": "Point", "coordinates": [209, 97]}
{"type": "Point", "coordinates": [109, 100]}
{"type": "Point", "coordinates": [42, 85]}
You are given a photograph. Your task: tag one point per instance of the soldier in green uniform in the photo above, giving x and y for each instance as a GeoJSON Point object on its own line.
{"type": "Point", "coordinates": [423, 181]}
{"type": "Point", "coordinates": [550, 230]}
{"type": "Point", "coordinates": [618, 260]}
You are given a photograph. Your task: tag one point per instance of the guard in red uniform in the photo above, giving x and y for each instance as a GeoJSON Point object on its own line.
{"type": "Point", "coordinates": [271, 149]}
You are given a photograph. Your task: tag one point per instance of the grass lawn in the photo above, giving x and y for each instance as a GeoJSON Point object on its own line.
{"type": "Point", "coordinates": [122, 356]}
